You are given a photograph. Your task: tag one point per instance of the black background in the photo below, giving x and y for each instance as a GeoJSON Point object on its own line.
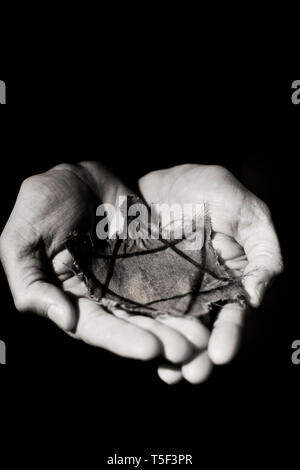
{"type": "Point", "coordinates": [135, 119]}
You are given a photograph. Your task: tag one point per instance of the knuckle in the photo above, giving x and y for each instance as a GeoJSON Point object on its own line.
{"type": "Point", "coordinates": [40, 188]}
{"type": "Point", "coordinates": [221, 175]}
{"type": "Point", "coordinates": [264, 208]}
{"type": "Point", "coordinates": [2, 244]}
{"type": "Point", "coordinates": [63, 166]}
{"type": "Point", "coordinates": [68, 172]}
{"type": "Point", "coordinates": [260, 212]}
{"type": "Point", "coordinates": [29, 182]}
{"type": "Point", "coordinates": [260, 208]}
{"type": "Point", "coordinates": [280, 267]}
{"type": "Point", "coordinates": [20, 304]}
{"type": "Point", "coordinates": [221, 171]}
{"type": "Point", "coordinates": [5, 241]}
{"type": "Point", "coordinates": [31, 187]}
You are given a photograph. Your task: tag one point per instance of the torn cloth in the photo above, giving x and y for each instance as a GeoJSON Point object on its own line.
{"type": "Point", "coordinates": [154, 276]}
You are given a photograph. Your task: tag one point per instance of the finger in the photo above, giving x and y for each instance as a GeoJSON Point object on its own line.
{"type": "Point", "coordinates": [62, 265]}
{"type": "Point", "coordinates": [257, 235]}
{"type": "Point", "coordinates": [169, 374]}
{"type": "Point", "coordinates": [101, 329]}
{"type": "Point", "coordinates": [231, 252]}
{"type": "Point", "coordinates": [199, 369]}
{"type": "Point", "coordinates": [226, 335]}
{"type": "Point", "coordinates": [191, 328]}
{"type": "Point", "coordinates": [25, 268]}
{"type": "Point", "coordinates": [176, 348]}
{"type": "Point", "coordinates": [226, 246]}
{"type": "Point", "coordinates": [198, 335]}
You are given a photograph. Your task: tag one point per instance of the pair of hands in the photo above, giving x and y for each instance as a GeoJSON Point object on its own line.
{"type": "Point", "coordinates": [50, 205]}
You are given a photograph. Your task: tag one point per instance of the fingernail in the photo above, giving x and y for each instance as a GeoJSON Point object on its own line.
{"type": "Point", "coordinates": [55, 314]}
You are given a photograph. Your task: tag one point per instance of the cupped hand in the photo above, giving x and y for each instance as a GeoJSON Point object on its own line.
{"type": "Point", "coordinates": [127, 334]}
{"type": "Point", "coordinates": [245, 238]}
{"type": "Point", "coordinates": [50, 206]}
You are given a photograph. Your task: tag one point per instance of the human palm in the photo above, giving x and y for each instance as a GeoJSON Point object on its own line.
{"type": "Point", "coordinates": [243, 235]}
{"type": "Point", "coordinates": [39, 269]}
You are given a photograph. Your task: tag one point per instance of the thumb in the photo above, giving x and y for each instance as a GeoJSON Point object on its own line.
{"type": "Point", "coordinates": [32, 290]}
{"type": "Point", "coordinates": [49, 301]}
{"type": "Point", "coordinates": [256, 283]}
{"type": "Point", "coordinates": [262, 249]}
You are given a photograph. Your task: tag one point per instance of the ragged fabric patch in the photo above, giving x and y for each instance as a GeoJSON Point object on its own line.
{"type": "Point", "coordinates": [154, 276]}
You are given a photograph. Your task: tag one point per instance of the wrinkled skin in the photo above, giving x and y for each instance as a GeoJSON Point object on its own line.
{"type": "Point", "coordinates": [244, 236]}
{"type": "Point", "coordinates": [51, 205]}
